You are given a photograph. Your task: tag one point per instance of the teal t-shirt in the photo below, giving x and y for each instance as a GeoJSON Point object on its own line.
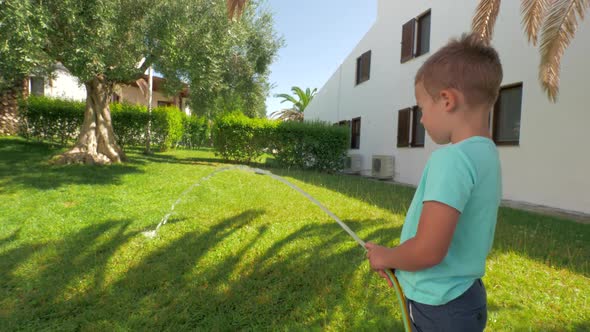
{"type": "Point", "coordinates": [467, 177]}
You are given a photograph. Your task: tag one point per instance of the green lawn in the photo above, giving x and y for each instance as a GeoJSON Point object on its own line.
{"type": "Point", "coordinates": [242, 251]}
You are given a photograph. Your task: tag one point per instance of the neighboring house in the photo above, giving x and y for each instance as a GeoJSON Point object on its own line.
{"type": "Point", "coordinates": [543, 146]}
{"type": "Point", "coordinates": [64, 85]}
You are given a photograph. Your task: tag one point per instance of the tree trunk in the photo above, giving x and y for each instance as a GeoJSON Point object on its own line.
{"type": "Point", "coordinates": [96, 143]}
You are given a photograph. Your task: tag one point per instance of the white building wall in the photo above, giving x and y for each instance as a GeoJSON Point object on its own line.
{"type": "Point", "coordinates": [551, 165]}
{"type": "Point", "coordinates": [65, 86]}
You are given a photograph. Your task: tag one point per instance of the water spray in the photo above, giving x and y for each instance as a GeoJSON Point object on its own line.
{"type": "Point", "coordinates": [390, 273]}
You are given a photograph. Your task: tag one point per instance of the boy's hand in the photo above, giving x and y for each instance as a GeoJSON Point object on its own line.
{"type": "Point", "coordinates": [377, 256]}
{"type": "Point", "coordinates": [384, 276]}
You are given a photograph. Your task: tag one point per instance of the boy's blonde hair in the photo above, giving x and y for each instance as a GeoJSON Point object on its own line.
{"type": "Point", "coordinates": [466, 64]}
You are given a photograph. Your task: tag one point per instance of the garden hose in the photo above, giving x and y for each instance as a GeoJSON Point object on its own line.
{"type": "Point", "coordinates": [390, 273]}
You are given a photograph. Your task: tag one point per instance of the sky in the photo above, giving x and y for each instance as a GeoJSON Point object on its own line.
{"type": "Point", "coordinates": [319, 35]}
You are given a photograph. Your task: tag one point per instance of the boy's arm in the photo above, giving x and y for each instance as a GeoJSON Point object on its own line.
{"type": "Point", "coordinates": [427, 249]}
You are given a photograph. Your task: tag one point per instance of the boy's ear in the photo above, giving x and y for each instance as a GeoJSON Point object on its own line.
{"type": "Point", "coordinates": [449, 99]}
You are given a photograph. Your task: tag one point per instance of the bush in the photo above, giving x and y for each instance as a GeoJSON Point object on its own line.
{"type": "Point", "coordinates": [129, 123]}
{"type": "Point", "coordinates": [239, 138]}
{"type": "Point", "coordinates": [196, 132]}
{"type": "Point", "coordinates": [314, 145]}
{"type": "Point", "coordinates": [55, 120]}
{"type": "Point", "coordinates": [167, 129]}
{"type": "Point", "coordinates": [59, 120]}
{"type": "Point", "coordinates": [309, 145]}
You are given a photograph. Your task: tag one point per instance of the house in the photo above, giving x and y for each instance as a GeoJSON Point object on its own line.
{"type": "Point", "coordinates": [64, 85]}
{"type": "Point", "coordinates": [544, 147]}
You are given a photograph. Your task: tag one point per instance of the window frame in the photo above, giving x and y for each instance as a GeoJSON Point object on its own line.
{"type": "Point", "coordinates": [496, 116]}
{"type": "Point", "coordinates": [411, 30]}
{"type": "Point", "coordinates": [418, 51]}
{"type": "Point", "coordinates": [414, 126]}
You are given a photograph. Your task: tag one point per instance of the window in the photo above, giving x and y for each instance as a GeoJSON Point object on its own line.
{"type": "Point", "coordinates": [37, 86]}
{"type": "Point", "coordinates": [355, 136]}
{"type": "Point", "coordinates": [115, 98]}
{"type": "Point", "coordinates": [363, 67]}
{"type": "Point", "coordinates": [506, 118]}
{"type": "Point", "coordinates": [423, 38]}
{"type": "Point", "coordinates": [416, 37]}
{"type": "Point", "coordinates": [410, 132]}
{"type": "Point", "coordinates": [418, 131]}
{"type": "Point", "coordinates": [164, 103]}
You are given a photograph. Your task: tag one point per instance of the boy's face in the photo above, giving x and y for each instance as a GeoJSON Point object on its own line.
{"type": "Point", "coordinates": [435, 115]}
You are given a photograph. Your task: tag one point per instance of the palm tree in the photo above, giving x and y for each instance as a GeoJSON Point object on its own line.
{"type": "Point", "coordinates": [551, 22]}
{"type": "Point", "coordinates": [300, 100]}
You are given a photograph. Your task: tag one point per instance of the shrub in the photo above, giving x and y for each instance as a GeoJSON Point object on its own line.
{"type": "Point", "coordinates": [55, 120]}
{"type": "Point", "coordinates": [239, 138]}
{"type": "Point", "coordinates": [314, 145]}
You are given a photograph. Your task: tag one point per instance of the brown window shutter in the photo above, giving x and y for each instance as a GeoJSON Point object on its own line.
{"type": "Point", "coordinates": [403, 127]}
{"type": "Point", "coordinates": [408, 31]}
{"type": "Point", "coordinates": [366, 66]}
{"type": "Point", "coordinates": [356, 134]}
{"type": "Point", "coordinates": [359, 61]}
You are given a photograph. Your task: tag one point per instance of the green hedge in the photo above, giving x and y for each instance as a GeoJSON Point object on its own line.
{"type": "Point", "coordinates": [129, 123]}
{"type": "Point", "coordinates": [308, 145]}
{"type": "Point", "coordinates": [316, 145]}
{"type": "Point", "coordinates": [196, 132]}
{"type": "Point", "coordinates": [167, 127]}
{"type": "Point", "coordinates": [60, 120]}
{"type": "Point", "coordinates": [49, 119]}
{"type": "Point", "coordinates": [240, 138]}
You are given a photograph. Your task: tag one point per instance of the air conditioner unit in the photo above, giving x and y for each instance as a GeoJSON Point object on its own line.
{"type": "Point", "coordinates": [352, 164]}
{"type": "Point", "coordinates": [382, 167]}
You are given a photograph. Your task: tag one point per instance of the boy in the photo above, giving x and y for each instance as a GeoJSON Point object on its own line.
{"type": "Point", "coordinates": [449, 228]}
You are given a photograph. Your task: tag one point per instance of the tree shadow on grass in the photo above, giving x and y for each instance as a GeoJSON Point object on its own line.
{"type": "Point", "coordinates": [550, 240]}
{"type": "Point", "coordinates": [10, 238]}
{"type": "Point", "coordinates": [201, 280]}
{"type": "Point", "coordinates": [33, 276]}
{"type": "Point", "coordinates": [25, 163]}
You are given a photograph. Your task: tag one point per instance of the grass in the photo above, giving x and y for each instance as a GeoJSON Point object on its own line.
{"type": "Point", "coordinates": [242, 251]}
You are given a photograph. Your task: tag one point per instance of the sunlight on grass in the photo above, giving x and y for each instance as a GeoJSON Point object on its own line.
{"type": "Point", "coordinates": [241, 251]}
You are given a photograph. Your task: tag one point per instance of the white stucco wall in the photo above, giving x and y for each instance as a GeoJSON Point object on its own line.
{"type": "Point", "coordinates": [65, 86]}
{"type": "Point", "coordinates": [551, 165]}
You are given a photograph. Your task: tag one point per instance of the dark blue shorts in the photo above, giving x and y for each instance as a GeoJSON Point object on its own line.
{"type": "Point", "coordinates": [466, 313]}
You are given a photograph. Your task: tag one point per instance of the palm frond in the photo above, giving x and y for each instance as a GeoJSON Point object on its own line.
{"type": "Point", "coordinates": [235, 8]}
{"type": "Point", "coordinates": [288, 114]}
{"type": "Point", "coordinates": [559, 28]}
{"type": "Point", "coordinates": [485, 18]}
{"type": "Point", "coordinates": [286, 98]}
{"type": "Point", "coordinates": [533, 13]}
